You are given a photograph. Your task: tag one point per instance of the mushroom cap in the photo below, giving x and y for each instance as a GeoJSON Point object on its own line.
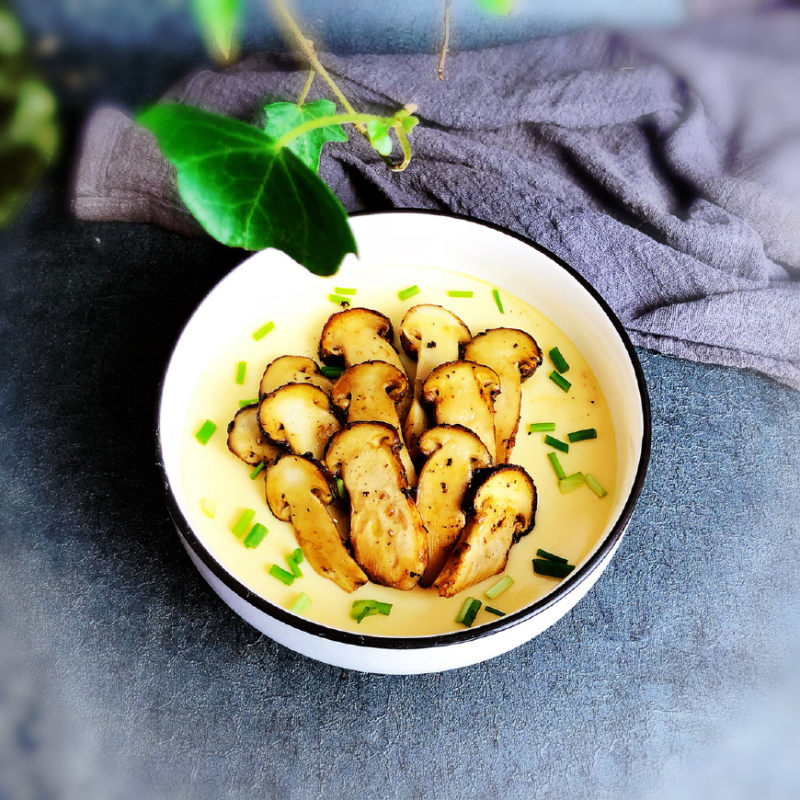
{"type": "Point", "coordinates": [426, 323]}
{"type": "Point", "coordinates": [246, 441]}
{"type": "Point", "coordinates": [355, 437]}
{"type": "Point", "coordinates": [505, 345]}
{"type": "Point", "coordinates": [368, 378]}
{"type": "Point", "coordinates": [298, 475]}
{"type": "Point", "coordinates": [458, 437]}
{"type": "Point", "coordinates": [292, 369]}
{"type": "Point", "coordinates": [447, 373]}
{"type": "Point", "coordinates": [504, 487]}
{"type": "Point", "coordinates": [344, 325]}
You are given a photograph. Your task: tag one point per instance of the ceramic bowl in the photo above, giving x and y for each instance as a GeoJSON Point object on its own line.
{"type": "Point", "coordinates": [453, 243]}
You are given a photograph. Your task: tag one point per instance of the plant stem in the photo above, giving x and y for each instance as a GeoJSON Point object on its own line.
{"type": "Point", "coordinates": [304, 93]}
{"type": "Point", "coordinates": [331, 119]}
{"type": "Point", "coordinates": [445, 41]}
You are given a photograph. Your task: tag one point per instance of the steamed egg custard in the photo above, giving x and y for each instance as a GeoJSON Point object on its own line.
{"type": "Point", "coordinates": [558, 476]}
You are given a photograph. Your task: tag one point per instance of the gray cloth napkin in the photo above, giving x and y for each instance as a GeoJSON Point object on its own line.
{"type": "Point", "coordinates": [664, 166]}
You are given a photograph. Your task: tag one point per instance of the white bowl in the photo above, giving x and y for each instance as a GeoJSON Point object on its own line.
{"type": "Point", "coordinates": [453, 243]}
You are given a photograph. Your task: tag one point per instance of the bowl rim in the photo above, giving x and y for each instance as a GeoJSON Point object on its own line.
{"type": "Point", "coordinates": [564, 588]}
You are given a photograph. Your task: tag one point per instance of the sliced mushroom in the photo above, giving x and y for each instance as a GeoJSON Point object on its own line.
{"type": "Point", "coordinates": [298, 492]}
{"type": "Point", "coordinates": [431, 335]}
{"type": "Point", "coordinates": [502, 509]}
{"type": "Point", "coordinates": [292, 369]}
{"type": "Point", "coordinates": [453, 453]}
{"type": "Point", "coordinates": [299, 417]}
{"type": "Point", "coordinates": [386, 531]}
{"type": "Point", "coordinates": [370, 392]}
{"type": "Point", "coordinates": [245, 440]}
{"type": "Point", "coordinates": [514, 356]}
{"type": "Point", "coordinates": [462, 393]}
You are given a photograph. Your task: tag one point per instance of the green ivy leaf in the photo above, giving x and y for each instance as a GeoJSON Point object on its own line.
{"type": "Point", "coordinates": [500, 7]}
{"type": "Point", "coordinates": [282, 117]}
{"type": "Point", "coordinates": [378, 132]}
{"type": "Point", "coordinates": [247, 192]}
{"type": "Point", "coordinates": [217, 20]}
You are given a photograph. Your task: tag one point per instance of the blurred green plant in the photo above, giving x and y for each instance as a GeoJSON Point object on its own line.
{"type": "Point", "coordinates": [28, 127]}
{"type": "Point", "coordinates": [218, 20]}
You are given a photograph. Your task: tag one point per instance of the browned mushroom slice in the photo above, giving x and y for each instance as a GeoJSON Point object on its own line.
{"type": "Point", "coordinates": [370, 392]}
{"type": "Point", "coordinates": [386, 531]}
{"type": "Point", "coordinates": [292, 369]}
{"type": "Point", "coordinates": [245, 440]}
{"type": "Point", "coordinates": [514, 356]}
{"type": "Point", "coordinates": [298, 416]}
{"type": "Point", "coordinates": [298, 492]}
{"type": "Point", "coordinates": [502, 509]}
{"type": "Point", "coordinates": [453, 453]}
{"type": "Point", "coordinates": [462, 393]}
{"type": "Point", "coordinates": [431, 335]}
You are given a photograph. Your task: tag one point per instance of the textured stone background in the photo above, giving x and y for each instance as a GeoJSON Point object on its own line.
{"type": "Point", "coordinates": [122, 675]}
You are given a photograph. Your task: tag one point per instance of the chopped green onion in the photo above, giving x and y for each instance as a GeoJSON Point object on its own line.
{"type": "Point", "coordinates": [250, 401]}
{"type": "Point", "coordinates": [495, 611]}
{"type": "Point", "coordinates": [332, 372]}
{"type": "Point", "coordinates": [298, 556]}
{"type": "Point", "coordinates": [263, 330]}
{"type": "Point", "coordinates": [366, 608]}
{"type": "Point", "coordinates": [343, 290]}
{"type": "Point", "coordinates": [559, 362]}
{"type": "Point", "coordinates": [293, 568]}
{"type": "Point", "coordinates": [579, 436]}
{"type": "Point", "coordinates": [557, 443]}
{"type": "Point", "coordinates": [459, 293]}
{"type": "Point", "coordinates": [498, 588]}
{"type": "Point", "coordinates": [551, 556]}
{"type": "Point", "coordinates": [257, 533]}
{"type": "Point", "coordinates": [404, 294]}
{"type": "Point", "coordinates": [570, 483]}
{"type": "Point", "coordinates": [595, 486]}
{"type": "Point", "coordinates": [209, 507]}
{"type": "Point", "coordinates": [301, 603]}
{"type": "Point", "coordinates": [559, 470]}
{"type": "Point", "coordinates": [340, 487]}
{"type": "Point", "coordinates": [467, 613]}
{"type": "Point", "coordinates": [553, 569]}
{"type": "Point", "coordinates": [559, 381]}
{"type": "Point", "coordinates": [242, 525]}
{"type": "Point", "coordinates": [541, 427]}
{"type": "Point", "coordinates": [254, 473]}
{"type": "Point", "coordinates": [241, 369]}
{"type": "Point", "coordinates": [281, 574]}
{"type": "Point", "coordinates": [206, 431]}
{"type": "Point", "coordinates": [339, 300]}
{"type": "Point", "coordinates": [496, 295]}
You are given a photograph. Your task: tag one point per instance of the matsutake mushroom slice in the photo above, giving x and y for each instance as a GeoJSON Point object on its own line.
{"type": "Point", "coordinates": [298, 492]}
{"type": "Point", "coordinates": [453, 453]}
{"type": "Point", "coordinates": [501, 509]}
{"type": "Point", "coordinates": [462, 393]}
{"type": "Point", "coordinates": [386, 531]}
{"type": "Point", "coordinates": [292, 369]}
{"type": "Point", "coordinates": [514, 356]}
{"type": "Point", "coordinates": [299, 417]}
{"type": "Point", "coordinates": [246, 441]}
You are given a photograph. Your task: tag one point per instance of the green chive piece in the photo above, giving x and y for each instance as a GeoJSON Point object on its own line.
{"type": "Point", "coordinates": [281, 574]}
{"type": "Point", "coordinates": [459, 293]}
{"type": "Point", "coordinates": [332, 372]}
{"type": "Point", "coordinates": [551, 556]}
{"type": "Point", "coordinates": [257, 533]}
{"type": "Point", "coordinates": [383, 608]}
{"type": "Point", "coordinates": [579, 436]}
{"type": "Point", "coordinates": [366, 608]}
{"type": "Point", "coordinates": [340, 487]}
{"type": "Point", "coordinates": [250, 401]}
{"type": "Point", "coordinates": [208, 507]}
{"type": "Point", "coordinates": [404, 294]}
{"type": "Point", "coordinates": [595, 486]}
{"type": "Point", "coordinates": [496, 295]}
{"type": "Point", "coordinates": [293, 568]}
{"type": "Point", "coordinates": [468, 612]}
{"type": "Point", "coordinates": [559, 362]}
{"type": "Point", "coordinates": [263, 330]}
{"type": "Point", "coordinates": [541, 427]}
{"type": "Point", "coordinates": [559, 470]}
{"type": "Point", "coordinates": [495, 611]}
{"type": "Point", "coordinates": [557, 443]}
{"type": "Point", "coordinates": [343, 290]}
{"type": "Point", "coordinates": [499, 587]}
{"type": "Point", "coordinates": [339, 300]}
{"type": "Point", "coordinates": [298, 556]}
{"type": "Point", "coordinates": [241, 370]}
{"type": "Point", "coordinates": [254, 473]}
{"type": "Point", "coordinates": [559, 381]}
{"type": "Point", "coordinates": [301, 604]}
{"type": "Point", "coordinates": [206, 431]}
{"type": "Point", "coordinates": [242, 524]}
{"type": "Point", "coordinates": [571, 483]}
{"type": "Point", "coordinates": [553, 569]}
